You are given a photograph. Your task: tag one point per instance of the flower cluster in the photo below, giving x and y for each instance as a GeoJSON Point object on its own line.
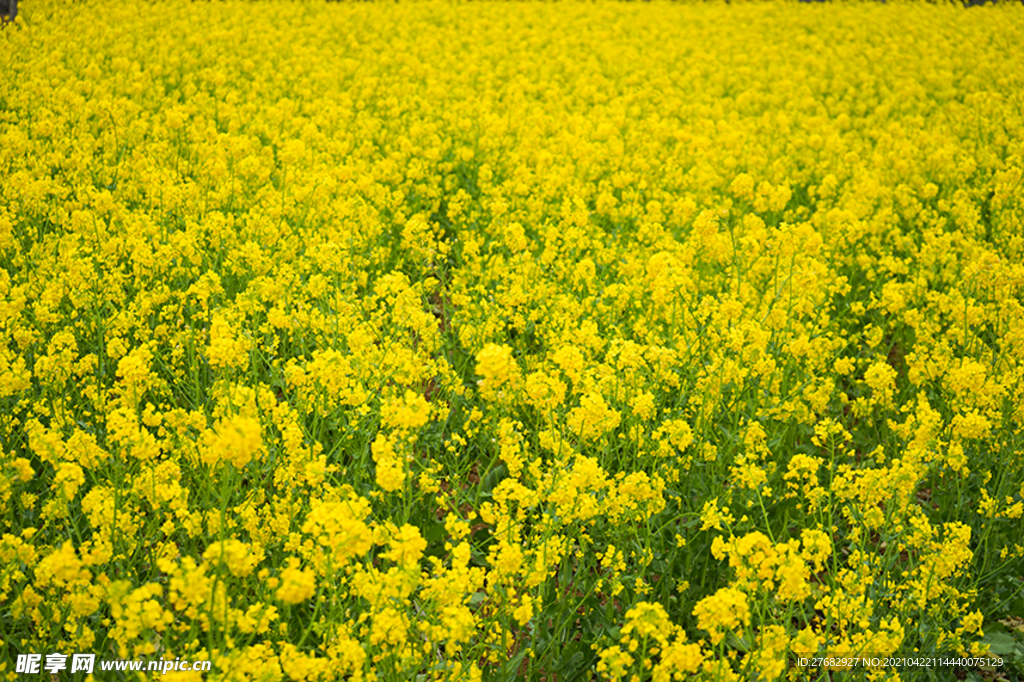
{"type": "Point", "coordinates": [510, 341]}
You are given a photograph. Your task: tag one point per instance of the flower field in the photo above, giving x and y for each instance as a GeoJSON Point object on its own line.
{"type": "Point", "coordinates": [423, 341]}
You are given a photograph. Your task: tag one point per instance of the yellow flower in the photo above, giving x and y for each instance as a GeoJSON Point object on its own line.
{"type": "Point", "coordinates": [68, 480]}
{"type": "Point", "coordinates": [648, 619]}
{"type": "Point", "coordinates": [817, 547]}
{"type": "Point", "coordinates": [341, 527]}
{"type": "Point", "coordinates": [296, 585]}
{"type": "Point", "coordinates": [407, 546]}
{"type": "Point", "coordinates": [678, 432]}
{"type": "Point", "coordinates": [882, 380]}
{"type": "Point", "coordinates": [712, 517]}
{"type": "Point", "coordinates": [524, 612]}
{"type": "Point", "coordinates": [62, 567]}
{"type": "Point", "coordinates": [544, 391]}
{"type": "Point", "coordinates": [233, 440]}
{"type": "Point", "coordinates": [134, 372]}
{"type": "Point", "coordinates": [411, 412]}
{"type": "Point", "coordinates": [593, 418]}
{"type": "Point", "coordinates": [614, 662]}
{"type": "Point", "coordinates": [971, 425]}
{"type": "Point", "coordinates": [234, 554]}
{"type": "Point", "coordinates": [971, 623]}
{"type": "Point", "coordinates": [497, 369]}
{"type": "Point", "coordinates": [770, 656]}
{"type": "Point", "coordinates": [226, 350]}
{"type": "Point", "coordinates": [390, 469]}
{"type": "Point", "coordinates": [726, 609]}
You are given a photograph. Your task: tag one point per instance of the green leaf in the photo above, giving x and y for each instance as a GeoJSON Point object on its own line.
{"type": "Point", "coordinates": [735, 642]}
{"type": "Point", "coordinates": [493, 478]}
{"type": "Point", "coordinates": [999, 643]}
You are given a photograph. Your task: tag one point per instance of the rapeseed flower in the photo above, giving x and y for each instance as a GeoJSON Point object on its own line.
{"type": "Point", "coordinates": [234, 441]}
{"type": "Point", "coordinates": [497, 369]}
{"type": "Point", "coordinates": [409, 343]}
{"type": "Point", "coordinates": [725, 610]}
{"type": "Point", "coordinates": [295, 585]}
